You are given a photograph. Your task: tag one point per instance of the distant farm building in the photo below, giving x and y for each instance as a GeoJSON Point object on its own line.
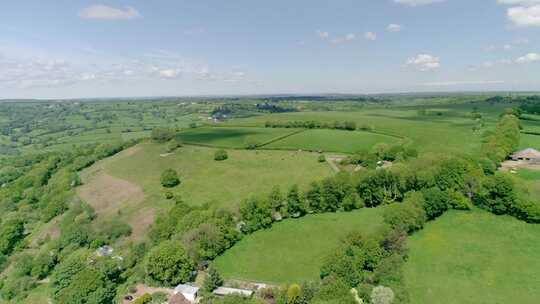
{"type": "Point", "coordinates": [530, 155]}
{"type": "Point", "coordinates": [104, 251]}
{"type": "Point", "coordinates": [225, 291]}
{"type": "Point", "coordinates": [178, 299]}
{"type": "Point", "coordinates": [187, 291]}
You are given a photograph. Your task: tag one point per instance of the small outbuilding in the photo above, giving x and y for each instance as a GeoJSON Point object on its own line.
{"type": "Point", "coordinates": [530, 155]}
{"type": "Point", "coordinates": [187, 291]}
{"type": "Point", "coordinates": [178, 299]}
{"type": "Point", "coordinates": [225, 291]}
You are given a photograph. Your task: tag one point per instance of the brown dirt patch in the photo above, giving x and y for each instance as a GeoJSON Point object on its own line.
{"type": "Point", "coordinates": [106, 193]}
{"type": "Point", "coordinates": [520, 164]}
{"type": "Point", "coordinates": [141, 222]}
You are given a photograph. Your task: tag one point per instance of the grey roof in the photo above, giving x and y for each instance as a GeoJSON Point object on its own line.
{"type": "Point", "coordinates": [527, 153]}
{"type": "Point", "coordinates": [186, 289]}
{"type": "Point", "coordinates": [223, 291]}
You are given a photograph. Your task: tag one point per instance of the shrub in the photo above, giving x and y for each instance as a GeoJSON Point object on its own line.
{"type": "Point", "coordinates": [221, 155]}
{"type": "Point", "coordinates": [169, 178]}
{"type": "Point", "coordinates": [293, 294]}
{"type": "Point", "coordinates": [172, 145]}
{"type": "Point", "coordinates": [435, 203]}
{"type": "Point", "coordinates": [162, 134]}
{"type": "Point", "coordinates": [321, 158]}
{"type": "Point", "coordinates": [144, 299]}
{"type": "Point", "coordinates": [382, 295]}
{"type": "Point", "coordinates": [212, 281]}
{"type": "Point", "coordinates": [169, 264]}
{"type": "Point", "coordinates": [408, 216]}
{"type": "Point", "coordinates": [169, 195]}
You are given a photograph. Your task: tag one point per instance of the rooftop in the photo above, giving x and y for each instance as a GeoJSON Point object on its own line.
{"type": "Point", "coordinates": [223, 291]}
{"type": "Point", "coordinates": [186, 289]}
{"type": "Point", "coordinates": [527, 153]}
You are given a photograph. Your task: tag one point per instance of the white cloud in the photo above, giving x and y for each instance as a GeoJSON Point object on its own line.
{"type": "Point", "coordinates": [417, 2]}
{"type": "Point", "coordinates": [529, 58]}
{"type": "Point", "coordinates": [370, 36]}
{"type": "Point", "coordinates": [525, 16]}
{"type": "Point", "coordinates": [346, 38]}
{"type": "Point", "coordinates": [461, 83]}
{"type": "Point", "coordinates": [507, 47]}
{"type": "Point", "coordinates": [104, 12]}
{"type": "Point", "coordinates": [518, 2]}
{"type": "Point", "coordinates": [394, 28]}
{"type": "Point", "coordinates": [169, 73]}
{"type": "Point", "coordinates": [424, 62]}
{"type": "Point", "coordinates": [322, 34]}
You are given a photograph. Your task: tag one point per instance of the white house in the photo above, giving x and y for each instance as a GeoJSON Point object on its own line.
{"type": "Point", "coordinates": [189, 292]}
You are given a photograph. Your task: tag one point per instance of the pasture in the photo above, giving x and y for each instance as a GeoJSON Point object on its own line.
{"type": "Point", "coordinates": [474, 257]}
{"type": "Point", "coordinates": [293, 250]}
{"type": "Point", "coordinates": [224, 137]}
{"type": "Point", "coordinates": [129, 183]}
{"type": "Point", "coordinates": [452, 131]}
{"type": "Point", "coordinates": [332, 141]}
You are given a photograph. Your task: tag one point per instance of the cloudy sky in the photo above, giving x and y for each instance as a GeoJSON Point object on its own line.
{"type": "Point", "coordinates": [80, 48]}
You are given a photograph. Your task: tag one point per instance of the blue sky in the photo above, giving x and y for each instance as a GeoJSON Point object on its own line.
{"type": "Point", "coordinates": [75, 48]}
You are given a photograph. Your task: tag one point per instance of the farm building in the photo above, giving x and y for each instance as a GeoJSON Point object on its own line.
{"type": "Point", "coordinates": [187, 291]}
{"type": "Point", "coordinates": [225, 291]}
{"type": "Point", "coordinates": [178, 299]}
{"type": "Point", "coordinates": [529, 154]}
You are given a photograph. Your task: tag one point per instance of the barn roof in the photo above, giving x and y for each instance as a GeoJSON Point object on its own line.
{"type": "Point", "coordinates": [186, 289]}
{"type": "Point", "coordinates": [527, 153]}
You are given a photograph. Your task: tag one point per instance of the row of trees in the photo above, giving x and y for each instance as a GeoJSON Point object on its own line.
{"type": "Point", "coordinates": [504, 140]}
{"type": "Point", "coordinates": [312, 124]}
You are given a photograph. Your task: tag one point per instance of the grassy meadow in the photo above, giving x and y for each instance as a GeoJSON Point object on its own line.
{"type": "Point", "coordinates": [332, 141]}
{"type": "Point", "coordinates": [232, 137]}
{"type": "Point", "coordinates": [428, 131]}
{"type": "Point", "coordinates": [474, 257]}
{"type": "Point", "coordinates": [128, 184]}
{"type": "Point", "coordinates": [293, 250]}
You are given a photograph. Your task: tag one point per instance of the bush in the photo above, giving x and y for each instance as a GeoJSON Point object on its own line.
{"type": "Point", "coordinates": [169, 264]}
{"type": "Point", "coordinates": [221, 155]}
{"type": "Point", "coordinates": [435, 203]}
{"type": "Point", "coordinates": [169, 195]}
{"type": "Point", "coordinates": [212, 281]}
{"type": "Point", "coordinates": [321, 158]}
{"type": "Point", "coordinates": [169, 178]}
{"type": "Point", "coordinates": [408, 216]}
{"type": "Point", "coordinates": [382, 295]}
{"type": "Point", "coordinates": [162, 135]}
{"type": "Point", "coordinates": [172, 145]}
{"type": "Point", "coordinates": [144, 299]}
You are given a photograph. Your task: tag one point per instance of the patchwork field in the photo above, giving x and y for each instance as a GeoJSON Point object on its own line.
{"type": "Point", "coordinates": [530, 141]}
{"type": "Point", "coordinates": [332, 141]}
{"type": "Point", "coordinates": [293, 250]}
{"type": "Point", "coordinates": [232, 137]}
{"type": "Point", "coordinates": [474, 257]}
{"type": "Point", "coordinates": [451, 131]}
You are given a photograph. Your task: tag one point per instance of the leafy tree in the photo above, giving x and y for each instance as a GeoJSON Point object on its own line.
{"type": "Point", "coordinates": [313, 197]}
{"type": "Point", "coordinates": [256, 214]}
{"type": "Point", "coordinates": [162, 135]}
{"type": "Point", "coordinates": [169, 264]}
{"type": "Point", "coordinates": [11, 232]}
{"type": "Point", "coordinates": [294, 293]}
{"type": "Point", "coordinates": [435, 203]}
{"type": "Point", "coordinates": [144, 299]}
{"type": "Point", "coordinates": [68, 268]}
{"type": "Point", "coordinates": [212, 281]}
{"type": "Point", "coordinates": [221, 155]}
{"type": "Point", "coordinates": [88, 286]}
{"type": "Point", "coordinates": [295, 205]}
{"type": "Point", "coordinates": [169, 178]}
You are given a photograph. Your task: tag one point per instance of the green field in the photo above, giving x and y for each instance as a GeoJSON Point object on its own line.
{"type": "Point", "coordinates": [452, 131]}
{"type": "Point", "coordinates": [474, 257]}
{"type": "Point", "coordinates": [529, 141]}
{"type": "Point", "coordinates": [232, 137]}
{"type": "Point", "coordinates": [293, 250]}
{"type": "Point", "coordinates": [332, 141]}
{"type": "Point", "coordinates": [527, 174]}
